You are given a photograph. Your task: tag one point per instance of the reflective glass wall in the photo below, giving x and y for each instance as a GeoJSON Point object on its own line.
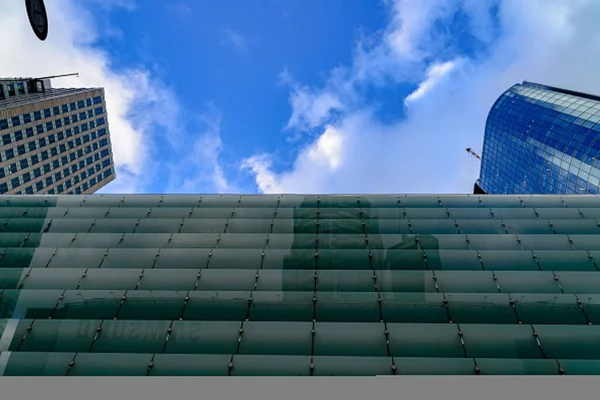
{"type": "Point", "coordinates": [542, 140]}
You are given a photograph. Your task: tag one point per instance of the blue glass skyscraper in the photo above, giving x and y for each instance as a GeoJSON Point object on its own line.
{"type": "Point", "coordinates": [541, 140]}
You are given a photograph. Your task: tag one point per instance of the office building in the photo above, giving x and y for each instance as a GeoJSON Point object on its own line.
{"type": "Point", "coordinates": [53, 141]}
{"type": "Point", "coordinates": [151, 285]}
{"type": "Point", "coordinates": [541, 140]}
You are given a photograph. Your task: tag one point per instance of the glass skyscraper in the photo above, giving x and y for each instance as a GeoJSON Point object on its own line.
{"type": "Point", "coordinates": [53, 141]}
{"type": "Point", "coordinates": [541, 140]}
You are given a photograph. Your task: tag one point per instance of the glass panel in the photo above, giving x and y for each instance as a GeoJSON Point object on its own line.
{"type": "Point", "coordinates": [105, 364]}
{"type": "Point", "coordinates": [180, 200]}
{"type": "Point", "coordinates": [152, 305]}
{"type": "Point", "coordinates": [340, 242]}
{"type": "Point", "coordinates": [28, 303]}
{"type": "Point", "coordinates": [152, 240]}
{"type": "Point", "coordinates": [10, 278]}
{"type": "Point", "coordinates": [581, 201]}
{"type": "Point", "coordinates": [59, 336]}
{"type": "Point", "coordinates": [52, 240]}
{"type": "Point", "coordinates": [212, 212]}
{"type": "Point", "coordinates": [286, 280]}
{"type": "Point", "coordinates": [349, 339]}
{"type": "Point", "coordinates": [570, 341]}
{"type": "Point", "coordinates": [55, 278]}
{"type": "Point", "coordinates": [239, 225]}
{"type": "Point", "coordinates": [545, 242]}
{"type": "Point", "coordinates": [101, 279]}
{"type": "Point", "coordinates": [355, 226]}
{"type": "Point", "coordinates": [411, 340]}
{"type": "Point", "coordinates": [282, 306]}
{"type": "Point", "coordinates": [347, 307]}
{"type": "Point", "coordinates": [24, 225]}
{"type": "Point", "coordinates": [398, 259]}
{"type": "Point", "coordinates": [425, 213]}
{"type": "Point", "coordinates": [89, 304]}
{"type": "Point", "coordinates": [38, 364]}
{"type": "Point", "coordinates": [170, 212]}
{"type": "Point", "coordinates": [37, 212]}
{"type": "Point", "coordinates": [558, 213]}
{"type": "Point", "coordinates": [345, 281]}
{"type": "Point", "coordinates": [591, 306]}
{"type": "Point", "coordinates": [259, 201]}
{"type": "Point", "coordinates": [248, 241]}
{"type": "Point", "coordinates": [433, 226]}
{"type": "Point", "coordinates": [28, 201]}
{"type": "Point", "coordinates": [249, 213]}
{"type": "Point", "coordinates": [579, 282]}
{"type": "Point", "coordinates": [514, 213]}
{"type": "Point", "coordinates": [499, 366]}
{"type": "Point", "coordinates": [70, 225]}
{"type": "Point", "coordinates": [142, 200]}
{"type": "Point", "coordinates": [470, 213]}
{"type": "Point", "coordinates": [507, 260]}
{"type": "Point", "coordinates": [480, 226]}
{"type": "Point", "coordinates": [379, 201]}
{"type": "Point", "coordinates": [77, 258]}
{"type": "Point", "coordinates": [480, 308]}
{"type": "Point", "coordinates": [494, 242]}
{"type": "Point", "coordinates": [388, 242]}
{"type": "Point", "coordinates": [558, 260]}
{"type": "Point", "coordinates": [206, 337]}
{"type": "Point", "coordinates": [504, 201]}
{"type": "Point", "coordinates": [454, 242]}
{"type": "Point", "coordinates": [190, 365]}
{"type": "Point", "coordinates": [413, 307]}
{"type": "Point", "coordinates": [277, 338]}
{"type": "Point", "coordinates": [262, 365]}
{"type": "Point", "coordinates": [287, 226]}
{"type": "Point", "coordinates": [548, 309]}
{"type": "Point", "coordinates": [13, 331]}
{"type": "Point", "coordinates": [589, 213]}
{"type": "Point", "coordinates": [585, 242]}
{"type": "Point", "coordinates": [527, 282]}
{"type": "Point", "coordinates": [122, 225]}
{"type": "Point", "coordinates": [205, 225]}
{"type": "Point", "coordinates": [500, 341]}
{"type": "Point", "coordinates": [12, 212]}
{"type": "Point", "coordinates": [459, 201]}
{"type": "Point", "coordinates": [579, 367]}
{"type": "Point", "coordinates": [403, 281]}
{"type": "Point", "coordinates": [289, 259]}
{"type": "Point", "coordinates": [227, 279]}
{"type": "Point", "coordinates": [294, 200]}
{"type": "Point", "coordinates": [434, 366]}
{"type": "Point", "coordinates": [457, 260]}
{"type": "Point", "coordinates": [217, 306]}
{"type": "Point", "coordinates": [220, 200]}
{"type": "Point", "coordinates": [169, 279]}
{"type": "Point", "coordinates": [542, 201]}
{"type": "Point", "coordinates": [104, 200]}
{"type": "Point", "coordinates": [131, 337]}
{"type": "Point", "coordinates": [343, 259]}
{"type": "Point", "coordinates": [182, 258]}
{"type": "Point", "coordinates": [162, 225]}
{"type": "Point", "coordinates": [23, 258]}
{"type": "Point", "coordinates": [576, 227]}
{"type": "Point", "coordinates": [344, 213]}
{"type": "Point", "coordinates": [466, 282]}
{"type": "Point", "coordinates": [12, 239]}
{"type": "Point", "coordinates": [86, 212]}
{"type": "Point", "coordinates": [129, 258]}
{"type": "Point", "coordinates": [382, 213]}
{"type": "Point", "coordinates": [96, 240]}
{"type": "Point", "coordinates": [420, 201]}
{"type": "Point", "coordinates": [236, 259]}
{"type": "Point", "coordinates": [533, 227]}
{"type": "Point", "coordinates": [339, 201]}
{"type": "Point", "coordinates": [352, 366]}
{"type": "Point", "coordinates": [125, 212]}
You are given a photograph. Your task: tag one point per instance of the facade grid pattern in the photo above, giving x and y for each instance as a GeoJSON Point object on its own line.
{"type": "Point", "coordinates": [151, 285]}
{"type": "Point", "coordinates": [542, 140]}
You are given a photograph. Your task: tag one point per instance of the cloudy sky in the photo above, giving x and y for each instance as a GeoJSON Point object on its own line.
{"type": "Point", "coordinates": [312, 96]}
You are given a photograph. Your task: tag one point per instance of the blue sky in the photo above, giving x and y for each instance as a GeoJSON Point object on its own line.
{"type": "Point", "coordinates": [321, 96]}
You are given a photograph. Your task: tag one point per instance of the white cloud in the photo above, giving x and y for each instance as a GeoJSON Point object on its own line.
{"type": "Point", "coordinates": [143, 113]}
{"type": "Point", "coordinates": [235, 39]}
{"type": "Point", "coordinates": [547, 41]}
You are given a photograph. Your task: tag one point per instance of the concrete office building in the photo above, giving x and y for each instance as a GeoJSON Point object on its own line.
{"type": "Point", "coordinates": [53, 141]}
{"type": "Point", "coordinates": [541, 140]}
{"type": "Point", "coordinates": [208, 285]}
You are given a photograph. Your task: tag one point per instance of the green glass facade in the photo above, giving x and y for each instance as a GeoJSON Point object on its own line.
{"type": "Point", "coordinates": [151, 285]}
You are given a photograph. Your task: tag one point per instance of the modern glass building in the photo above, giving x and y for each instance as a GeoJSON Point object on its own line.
{"type": "Point", "coordinates": [541, 140]}
{"type": "Point", "coordinates": [150, 285]}
{"type": "Point", "coordinates": [53, 141]}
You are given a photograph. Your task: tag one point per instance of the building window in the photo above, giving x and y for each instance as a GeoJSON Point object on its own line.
{"type": "Point", "coordinates": [26, 118]}
{"type": "Point", "coordinates": [37, 115]}
{"type": "Point", "coordinates": [3, 124]}
{"type": "Point", "coordinates": [47, 113]}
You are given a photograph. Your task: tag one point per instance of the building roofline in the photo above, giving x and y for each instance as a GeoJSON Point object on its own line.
{"type": "Point", "coordinates": [561, 90]}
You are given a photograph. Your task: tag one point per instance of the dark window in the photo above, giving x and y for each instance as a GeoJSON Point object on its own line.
{"type": "Point", "coordinates": [15, 182]}
{"type": "Point", "coordinates": [34, 159]}
{"type": "Point", "coordinates": [80, 104]}
{"type": "Point", "coordinates": [2, 172]}
{"type": "Point", "coordinates": [27, 118]}
{"type": "Point", "coordinates": [88, 102]}
{"type": "Point", "coordinates": [10, 153]}
{"type": "Point", "coordinates": [82, 115]}
{"type": "Point", "coordinates": [58, 123]}
{"type": "Point", "coordinates": [42, 142]}
{"type": "Point", "coordinates": [98, 110]}
{"type": "Point", "coordinates": [64, 160]}
{"type": "Point", "coordinates": [66, 172]}
{"type": "Point", "coordinates": [60, 188]}
{"type": "Point", "coordinates": [29, 190]}
{"type": "Point", "coordinates": [77, 190]}
{"type": "Point", "coordinates": [31, 145]}
{"type": "Point", "coordinates": [57, 176]}
{"type": "Point", "coordinates": [84, 127]}
{"type": "Point", "coordinates": [6, 139]}
{"type": "Point", "coordinates": [72, 106]}
{"type": "Point", "coordinates": [53, 151]}
{"type": "Point", "coordinates": [3, 124]}
{"type": "Point", "coordinates": [44, 155]}
{"type": "Point", "coordinates": [80, 153]}
{"type": "Point", "coordinates": [29, 132]}
{"type": "Point", "coordinates": [49, 181]}
{"type": "Point", "coordinates": [69, 132]}
{"type": "Point", "coordinates": [24, 163]}
{"type": "Point", "coordinates": [39, 186]}
{"type": "Point", "coordinates": [97, 100]}
{"type": "Point", "coordinates": [51, 191]}
{"type": "Point", "coordinates": [37, 172]}
{"type": "Point", "coordinates": [3, 188]}
{"type": "Point", "coordinates": [55, 164]}
{"type": "Point", "coordinates": [47, 113]}
{"type": "Point", "coordinates": [47, 168]}
{"type": "Point", "coordinates": [18, 135]}
{"type": "Point", "coordinates": [81, 164]}
{"type": "Point", "coordinates": [67, 120]}
{"type": "Point", "coordinates": [74, 118]}
{"type": "Point", "coordinates": [90, 113]}
{"type": "Point", "coordinates": [68, 183]}
{"type": "Point", "coordinates": [86, 138]}
{"type": "Point", "coordinates": [26, 177]}
{"type": "Point", "coordinates": [21, 149]}
{"type": "Point", "coordinates": [49, 126]}
{"type": "Point", "coordinates": [84, 186]}
{"type": "Point", "coordinates": [16, 121]}
{"type": "Point", "coordinates": [76, 130]}
{"type": "Point", "coordinates": [60, 135]}
{"type": "Point", "coordinates": [76, 180]}
{"type": "Point", "coordinates": [65, 108]}
{"type": "Point", "coordinates": [51, 139]}
{"type": "Point", "coordinates": [37, 115]}
{"type": "Point", "coordinates": [56, 110]}
{"type": "Point", "coordinates": [39, 129]}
